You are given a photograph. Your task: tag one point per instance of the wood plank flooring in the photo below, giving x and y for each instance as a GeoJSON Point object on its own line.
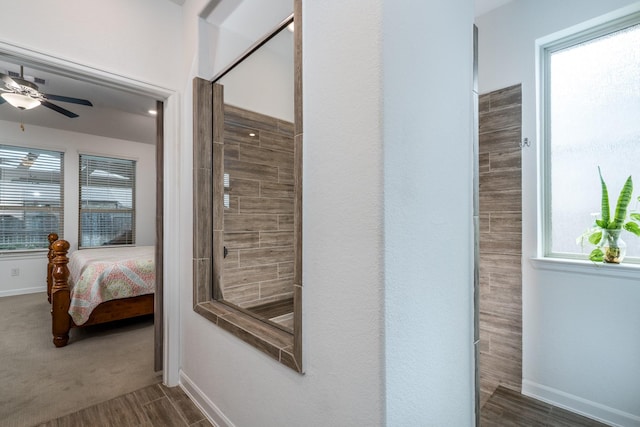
{"type": "Point", "coordinates": [160, 406]}
{"type": "Point", "coordinates": [273, 309]}
{"type": "Point", "coordinates": [152, 406]}
{"type": "Point", "coordinates": [507, 408]}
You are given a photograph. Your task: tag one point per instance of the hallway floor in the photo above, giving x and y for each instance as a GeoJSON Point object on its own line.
{"type": "Point", "coordinates": [152, 406]}
{"type": "Point", "coordinates": [506, 408]}
{"type": "Point", "coordinates": [160, 406]}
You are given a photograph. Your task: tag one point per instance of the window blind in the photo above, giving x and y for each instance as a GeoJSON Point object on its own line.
{"type": "Point", "coordinates": [31, 197]}
{"type": "Point", "coordinates": [107, 201]}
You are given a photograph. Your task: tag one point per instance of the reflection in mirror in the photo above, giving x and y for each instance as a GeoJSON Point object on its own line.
{"type": "Point", "coordinates": [247, 205]}
{"type": "Point", "coordinates": [257, 269]}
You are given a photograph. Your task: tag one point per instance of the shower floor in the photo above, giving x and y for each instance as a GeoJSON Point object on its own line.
{"type": "Point", "coordinates": [280, 312]}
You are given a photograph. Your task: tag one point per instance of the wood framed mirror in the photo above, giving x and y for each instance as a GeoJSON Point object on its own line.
{"type": "Point", "coordinates": [248, 195]}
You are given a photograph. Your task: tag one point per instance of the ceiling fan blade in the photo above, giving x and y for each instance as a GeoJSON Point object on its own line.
{"type": "Point", "coordinates": [8, 81]}
{"type": "Point", "coordinates": [60, 110]}
{"type": "Point", "coordinates": [68, 99]}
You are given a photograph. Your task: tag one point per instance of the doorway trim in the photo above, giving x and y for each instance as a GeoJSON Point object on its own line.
{"type": "Point", "coordinates": [170, 98]}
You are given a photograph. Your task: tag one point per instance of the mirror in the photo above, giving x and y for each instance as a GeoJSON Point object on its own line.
{"type": "Point", "coordinates": [247, 201]}
{"type": "Point", "coordinates": [258, 194]}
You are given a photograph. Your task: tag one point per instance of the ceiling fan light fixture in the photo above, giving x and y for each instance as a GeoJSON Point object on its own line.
{"type": "Point", "coordinates": [21, 102]}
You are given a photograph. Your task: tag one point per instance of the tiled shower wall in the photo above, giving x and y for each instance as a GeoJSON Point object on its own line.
{"type": "Point", "coordinates": [258, 224]}
{"type": "Point", "coordinates": [500, 121]}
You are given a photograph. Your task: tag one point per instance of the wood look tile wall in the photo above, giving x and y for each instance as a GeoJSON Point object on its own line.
{"type": "Point", "coordinates": [258, 224]}
{"type": "Point", "coordinates": [500, 121]}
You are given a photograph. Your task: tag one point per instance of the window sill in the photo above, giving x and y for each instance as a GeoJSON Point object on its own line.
{"type": "Point", "coordinates": [575, 266]}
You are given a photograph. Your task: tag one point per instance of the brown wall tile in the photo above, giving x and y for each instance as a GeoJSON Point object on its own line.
{"type": "Point", "coordinates": [285, 222]}
{"type": "Point", "coordinates": [244, 187]}
{"type": "Point", "coordinates": [265, 156]}
{"type": "Point", "coordinates": [506, 160]}
{"type": "Point", "coordinates": [272, 189]}
{"type": "Point", "coordinates": [250, 257]}
{"type": "Point", "coordinates": [236, 223]}
{"type": "Point", "coordinates": [277, 141]}
{"type": "Point", "coordinates": [506, 97]}
{"type": "Point", "coordinates": [500, 311]}
{"type": "Point", "coordinates": [244, 275]}
{"type": "Point", "coordinates": [277, 238]}
{"type": "Point", "coordinates": [285, 269]}
{"type": "Point", "coordinates": [265, 205]}
{"type": "Point", "coordinates": [500, 119]}
{"type": "Point", "coordinates": [261, 191]}
{"type": "Point", "coordinates": [247, 170]}
{"type": "Point", "coordinates": [250, 239]}
{"type": "Point", "coordinates": [500, 141]}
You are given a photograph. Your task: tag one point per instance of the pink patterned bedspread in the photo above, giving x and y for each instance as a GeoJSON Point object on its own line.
{"type": "Point", "coordinates": [105, 274]}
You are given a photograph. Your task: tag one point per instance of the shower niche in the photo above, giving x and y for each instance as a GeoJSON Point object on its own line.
{"type": "Point", "coordinates": [247, 221]}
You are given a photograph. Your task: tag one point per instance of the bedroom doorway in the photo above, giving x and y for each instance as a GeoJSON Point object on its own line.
{"type": "Point", "coordinates": [162, 98]}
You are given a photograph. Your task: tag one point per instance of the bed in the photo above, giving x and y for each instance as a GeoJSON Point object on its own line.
{"type": "Point", "coordinates": [96, 286]}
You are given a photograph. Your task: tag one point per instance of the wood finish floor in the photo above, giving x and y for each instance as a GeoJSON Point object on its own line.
{"type": "Point", "coordinates": [160, 406]}
{"type": "Point", "coordinates": [152, 406]}
{"type": "Point", "coordinates": [507, 408]}
{"type": "Point", "coordinates": [279, 313]}
{"type": "Point", "coordinates": [273, 309]}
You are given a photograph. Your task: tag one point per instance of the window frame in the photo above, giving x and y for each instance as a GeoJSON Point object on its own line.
{"type": "Point", "coordinates": [545, 50]}
{"type": "Point", "coordinates": [61, 187]}
{"type": "Point", "coordinates": [132, 210]}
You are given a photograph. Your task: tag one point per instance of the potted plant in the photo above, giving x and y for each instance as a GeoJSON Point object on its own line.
{"type": "Point", "coordinates": [605, 234]}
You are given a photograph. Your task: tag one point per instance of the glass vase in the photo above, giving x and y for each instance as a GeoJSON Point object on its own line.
{"type": "Point", "coordinates": [613, 247]}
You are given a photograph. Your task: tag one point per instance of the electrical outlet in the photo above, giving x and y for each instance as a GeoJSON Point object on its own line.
{"type": "Point", "coordinates": [15, 271]}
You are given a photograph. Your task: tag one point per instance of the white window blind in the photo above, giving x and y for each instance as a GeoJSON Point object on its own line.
{"type": "Point", "coordinates": [31, 197]}
{"type": "Point", "coordinates": [107, 201]}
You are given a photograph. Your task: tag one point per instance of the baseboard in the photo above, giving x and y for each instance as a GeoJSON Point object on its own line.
{"type": "Point", "coordinates": [579, 405]}
{"type": "Point", "coordinates": [211, 411]}
{"type": "Point", "coordinates": [22, 291]}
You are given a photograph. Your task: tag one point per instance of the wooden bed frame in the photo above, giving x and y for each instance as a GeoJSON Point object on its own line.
{"type": "Point", "coordinates": [59, 295]}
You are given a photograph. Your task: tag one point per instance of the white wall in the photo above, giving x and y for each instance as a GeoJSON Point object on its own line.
{"type": "Point", "coordinates": [345, 175]}
{"type": "Point", "coordinates": [428, 213]}
{"type": "Point", "coordinates": [580, 327]}
{"type": "Point", "coordinates": [33, 266]}
{"type": "Point", "coordinates": [263, 82]}
{"type": "Point", "coordinates": [133, 39]}
{"type": "Point", "coordinates": [429, 358]}
{"type": "Point", "coordinates": [342, 303]}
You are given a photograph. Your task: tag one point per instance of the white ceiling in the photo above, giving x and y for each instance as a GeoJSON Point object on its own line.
{"type": "Point", "coordinates": [484, 6]}
{"type": "Point", "coordinates": [115, 113]}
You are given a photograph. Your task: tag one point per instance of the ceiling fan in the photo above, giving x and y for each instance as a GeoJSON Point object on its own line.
{"type": "Point", "coordinates": [25, 95]}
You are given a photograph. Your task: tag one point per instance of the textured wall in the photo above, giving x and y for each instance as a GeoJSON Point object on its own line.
{"type": "Point", "coordinates": [428, 213]}
{"type": "Point", "coordinates": [500, 240]}
{"type": "Point", "coordinates": [258, 222]}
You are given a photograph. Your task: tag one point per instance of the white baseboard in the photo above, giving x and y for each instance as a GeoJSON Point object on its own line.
{"type": "Point", "coordinates": [579, 405]}
{"type": "Point", "coordinates": [22, 291]}
{"type": "Point", "coordinates": [210, 410]}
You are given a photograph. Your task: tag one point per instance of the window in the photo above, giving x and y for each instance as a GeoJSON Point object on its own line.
{"type": "Point", "coordinates": [107, 201]}
{"type": "Point", "coordinates": [31, 197]}
{"type": "Point", "coordinates": [591, 111]}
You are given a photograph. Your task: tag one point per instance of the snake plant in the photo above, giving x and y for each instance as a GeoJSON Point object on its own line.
{"type": "Point", "coordinates": [607, 230]}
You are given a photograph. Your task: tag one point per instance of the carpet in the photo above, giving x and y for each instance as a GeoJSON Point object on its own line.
{"type": "Point", "coordinates": [39, 382]}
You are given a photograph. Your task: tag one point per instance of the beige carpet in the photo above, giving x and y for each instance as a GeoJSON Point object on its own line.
{"type": "Point", "coordinates": [39, 382]}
